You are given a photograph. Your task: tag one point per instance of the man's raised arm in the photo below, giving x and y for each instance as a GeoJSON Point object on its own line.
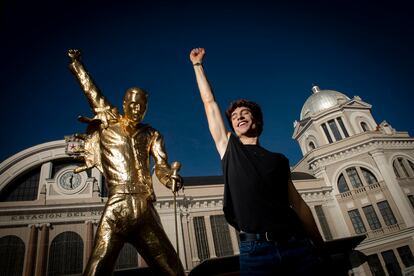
{"type": "Point", "coordinates": [214, 117]}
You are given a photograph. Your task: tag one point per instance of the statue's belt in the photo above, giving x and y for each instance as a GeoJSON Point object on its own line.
{"type": "Point", "coordinates": [129, 189]}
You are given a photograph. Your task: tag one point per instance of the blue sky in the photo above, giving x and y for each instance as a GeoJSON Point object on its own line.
{"type": "Point", "coordinates": [269, 53]}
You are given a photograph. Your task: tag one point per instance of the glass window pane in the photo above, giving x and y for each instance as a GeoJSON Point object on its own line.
{"type": "Point", "coordinates": [357, 221]}
{"type": "Point", "coordinates": [343, 128]}
{"type": "Point", "coordinates": [311, 146]}
{"type": "Point", "coordinates": [66, 254]}
{"type": "Point", "coordinates": [334, 129]}
{"type": "Point", "coordinates": [391, 263]}
{"type": "Point", "coordinates": [221, 236]}
{"type": "Point", "coordinates": [11, 255]}
{"type": "Point", "coordinates": [400, 161]}
{"type": "Point", "coordinates": [342, 186]}
{"type": "Point", "coordinates": [201, 238]}
{"type": "Point", "coordinates": [23, 188]}
{"type": "Point", "coordinates": [127, 258]}
{"type": "Point", "coordinates": [369, 176]}
{"type": "Point", "coordinates": [394, 166]}
{"type": "Point", "coordinates": [375, 265]}
{"type": "Point", "coordinates": [406, 255]}
{"type": "Point", "coordinates": [372, 218]}
{"type": "Point", "coordinates": [364, 126]}
{"type": "Point", "coordinates": [411, 165]}
{"type": "Point", "coordinates": [354, 177]}
{"type": "Point", "coordinates": [386, 213]}
{"type": "Point", "coordinates": [325, 129]}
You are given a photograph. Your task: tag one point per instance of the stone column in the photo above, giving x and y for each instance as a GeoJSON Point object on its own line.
{"type": "Point", "coordinates": [399, 197]}
{"type": "Point", "coordinates": [186, 240]}
{"type": "Point", "coordinates": [42, 250]}
{"type": "Point", "coordinates": [341, 228]}
{"type": "Point", "coordinates": [193, 241]}
{"type": "Point", "coordinates": [234, 241]}
{"type": "Point", "coordinates": [210, 238]}
{"type": "Point", "coordinates": [89, 239]}
{"type": "Point", "coordinates": [31, 251]}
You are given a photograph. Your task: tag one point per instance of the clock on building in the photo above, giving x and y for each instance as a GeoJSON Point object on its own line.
{"type": "Point", "coordinates": [69, 181]}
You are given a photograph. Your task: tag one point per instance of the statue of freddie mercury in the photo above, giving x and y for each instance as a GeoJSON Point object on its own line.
{"type": "Point", "coordinates": [120, 147]}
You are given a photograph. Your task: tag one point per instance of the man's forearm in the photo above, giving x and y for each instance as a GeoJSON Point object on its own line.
{"type": "Point", "coordinates": [206, 92]}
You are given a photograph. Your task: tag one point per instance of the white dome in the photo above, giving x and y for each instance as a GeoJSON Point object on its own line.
{"type": "Point", "coordinates": [320, 101]}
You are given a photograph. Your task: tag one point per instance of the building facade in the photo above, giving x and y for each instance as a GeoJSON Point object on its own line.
{"type": "Point", "coordinates": [356, 175]}
{"type": "Point", "coordinates": [366, 179]}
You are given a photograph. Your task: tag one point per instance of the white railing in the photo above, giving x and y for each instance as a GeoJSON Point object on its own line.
{"type": "Point", "coordinates": [361, 190]}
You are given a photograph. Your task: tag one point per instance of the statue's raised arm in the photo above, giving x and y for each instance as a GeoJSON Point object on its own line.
{"type": "Point", "coordinates": [99, 104]}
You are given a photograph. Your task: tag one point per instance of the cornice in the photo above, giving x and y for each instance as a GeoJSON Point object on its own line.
{"type": "Point", "coordinates": [348, 151]}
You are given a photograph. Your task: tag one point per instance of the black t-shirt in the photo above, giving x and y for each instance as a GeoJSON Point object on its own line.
{"type": "Point", "coordinates": [256, 190]}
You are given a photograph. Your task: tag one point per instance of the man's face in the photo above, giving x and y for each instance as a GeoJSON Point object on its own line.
{"type": "Point", "coordinates": [135, 106]}
{"type": "Point", "coordinates": [242, 121]}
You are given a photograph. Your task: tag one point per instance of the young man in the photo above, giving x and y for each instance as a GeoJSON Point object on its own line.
{"type": "Point", "coordinates": [277, 229]}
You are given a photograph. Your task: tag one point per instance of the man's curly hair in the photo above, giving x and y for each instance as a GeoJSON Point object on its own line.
{"type": "Point", "coordinates": [254, 108]}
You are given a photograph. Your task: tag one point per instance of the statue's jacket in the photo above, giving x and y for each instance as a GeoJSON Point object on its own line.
{"type": "Point", "coordinates": [119, 149]}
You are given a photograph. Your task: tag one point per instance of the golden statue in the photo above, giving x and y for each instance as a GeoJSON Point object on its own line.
{"type": "Point", "coordinates": [120, 147]}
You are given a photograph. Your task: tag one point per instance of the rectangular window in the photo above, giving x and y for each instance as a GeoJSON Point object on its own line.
{"type": "Point", "coordinates": [323, 222]}
{"type": "Point", "coordinates": [372, 218]}
{"type": "Point", "coordinates": [325, 129]}
{"type": "Point", "coordinates": [391, 263]}
{"type": "Point", "coordinates": [221, 236]}
{"type": "Point", "coordinates": [386, 213]}
{"type": "Point", "coordinates": [354, 177]}
{"type": "Point", "coordinates": [341, 124]}
{"type": "Point", "coordinates": [375, 265]}
{"type": "Point", "coordinates": [201, 238]}
{"type": "Point", "coordinates": [406, 255]}
{"type": "Point", "coordinates": [357, 221]}
{"type": "Point", "coordinates": [335, 130]}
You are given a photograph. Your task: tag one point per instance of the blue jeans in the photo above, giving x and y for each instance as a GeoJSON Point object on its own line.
{"type": "Point", "coordinates": [293, 257]}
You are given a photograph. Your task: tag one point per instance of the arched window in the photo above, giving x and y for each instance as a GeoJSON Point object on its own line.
{"type": "Point", "coordinates": [311, 146]}
{"type": "Point", "coordinates": [354, 177]}
{"type": "Point", "coordinates": [369, 176]}
{"type": "Point", "coordinates": [66, 254]}
{"type": "Point", "coordinates": [11, 255]}
{"type": "Point", "coordinates": [364, 126]}
{"type": "Point", "coordinates": [401, 162]}
{"type": "Point", "coordinates": [400, 169]}
{"type": "Point", "coordinates": [394, 166]}
{"type": "Point", "coordinates": [127, 258]}
{"type": "Point", "coordinates": [23, 188]}
{"type": "Point", "coordinates": [411, 165]}
{"type": "Point", "coordinates": [342, 185]}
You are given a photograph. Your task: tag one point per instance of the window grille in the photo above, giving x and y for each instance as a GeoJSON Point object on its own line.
{"type": "Point", "coordinates": [391, 263]}
{"type": "Point", "coordinates": [201, 238]}
{"type": "Point", "coordinates": [221, 236]}
{"type": "Point", "coordinates": [372, 218]}
{"type": "Point", "coordinates": [354, 177]}
{"type": "Point", "coordinates": [11, 255]}
{"type": "Point", "coordinates": [23, 188]}
{"type": "Point", "coordinates": [127, 258]}
{"type": "Point", "coordinates": [357, 221]}
{"type": "Point", "coordinates": [386, 213]}
{"type": "Point", "coordinates": [66, 254]}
